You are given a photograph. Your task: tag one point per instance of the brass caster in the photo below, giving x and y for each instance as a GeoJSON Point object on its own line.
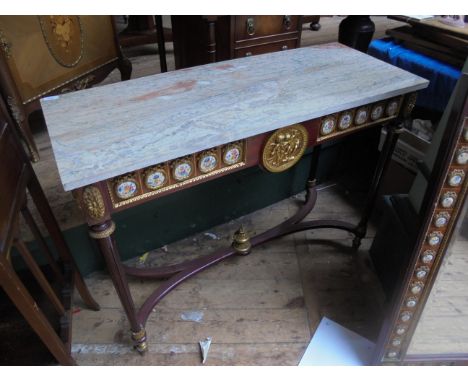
{"type": "Point", "coordinates": [139, 339]}
{"type": "Point", "coordinates": [241, 242]}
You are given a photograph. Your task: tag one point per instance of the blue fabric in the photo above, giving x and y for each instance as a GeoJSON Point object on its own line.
{"type": "Point", "coordinates": [442, 77]}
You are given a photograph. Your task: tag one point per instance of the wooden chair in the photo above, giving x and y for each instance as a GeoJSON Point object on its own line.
{"type": "Point", "coordinates": [20, 186]}
{"type": "Point", "coordinates": [51, 55]}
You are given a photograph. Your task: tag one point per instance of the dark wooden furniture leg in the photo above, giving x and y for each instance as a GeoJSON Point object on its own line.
{"type": "Point", "coordinates": [161, 43]}
{"type": "Point", "coordinates": [356, 32]}
{"type": "Point", "coordinates": [384, 160]}
{"type": "Point", "coordinates": [103, 234]}
{"type": "Point", "coordinates": [18, 293]}
{"type": "Point", "coordinates": [12, 98]}
{"type": "Point", "coordinates": [211, 46]}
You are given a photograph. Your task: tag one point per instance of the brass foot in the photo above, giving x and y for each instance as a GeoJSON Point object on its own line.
{"type": "Point", "coordinates": [241, 242]}
{"type": "Point", "coordinates": [139, 339]}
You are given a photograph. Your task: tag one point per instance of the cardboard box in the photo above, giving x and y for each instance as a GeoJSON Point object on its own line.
{"type": "Point", "coordinates": [409, 149]}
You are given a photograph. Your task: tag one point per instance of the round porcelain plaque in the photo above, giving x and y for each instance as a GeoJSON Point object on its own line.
{"type": "Point", "coordinates": [208, 163]}
{"type": "Point", "coordinates": [462, 156]}
{"type": "Point", "coordinates": [328, 126]}
{"type": "Point", "coordinates": [392, 108]}
{"type": "Point", "coordinates": [421, 274]}
{"type": "Point", "coordinates": [448, 199]}
{"type": "Point", "coordinates": [361, 116]}
{"type": "Point", "coordinates": [126, 189]}
{"type": "Point", "coordinates": [405, 316]}
{"type": "Point", "coordinates": [345, 120]}
{"type": "Point", "coordinates": [434, 239]}
{"type": "Point", "coordinates": [396, 342]}
{"type": "Point", "coordinates": [411, 303]}
{"type": "Point", "coordinates": [427, 256]}
{"type": "Point", "coordinates": [182, 171]}
{"type": "Point", "coordinates": [416, 289]}
{"type": "Point", "coordinates": [441, 219]}
{"type": "Point", "coordinates": [456, 178]}
{"type": "Point", "coordinates": [400, 330]}
{"type": "Point", "coordinates": [377, 112]}
{"type": "Point", "coordinates": [232, 155]}
{"type": "Point", "coordinates": [155, 179]}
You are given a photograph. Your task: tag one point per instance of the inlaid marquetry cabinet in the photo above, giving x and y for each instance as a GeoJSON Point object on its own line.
{"type": "Point", "coordinates": [51, 55]}
{"type": "Point", "coordinates": [200, 40]}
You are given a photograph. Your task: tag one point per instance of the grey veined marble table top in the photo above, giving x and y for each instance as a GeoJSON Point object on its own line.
{"type": "Point", "coordinates": [109, 130]}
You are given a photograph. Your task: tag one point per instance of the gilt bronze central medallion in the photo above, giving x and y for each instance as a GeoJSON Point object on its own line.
{"type": "Point", "coordinates": [284, 148]}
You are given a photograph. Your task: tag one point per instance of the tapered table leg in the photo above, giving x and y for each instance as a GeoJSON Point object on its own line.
{"type": "Point", "coordinates": [384, 160]}
{"type": "Point", "coordinates": [103, 235]}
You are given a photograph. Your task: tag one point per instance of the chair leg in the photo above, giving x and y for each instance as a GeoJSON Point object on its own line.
{"type": "Point", "coordinates": [57, 237]}
{"type": "Point", "coordinates": [161, 45]}
{"type": "Point", "coordinates": [17, 292]}
{"type": "Point", "coordinates": [40, 277]}
{"type": "Point", "coordinates": [41, 242]}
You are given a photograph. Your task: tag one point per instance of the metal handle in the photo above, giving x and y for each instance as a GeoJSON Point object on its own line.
{"type": "Point", "coordinates": [250, 26]}
{"type": "Point", "coordinates": [284, 47]}
{"type": "Point", "coordinates": [287, 22]}
{"type": "Point", "coordinates": [248, 54]}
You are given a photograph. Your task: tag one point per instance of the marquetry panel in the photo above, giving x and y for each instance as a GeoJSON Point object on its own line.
{"type": "Point", "coordinates": [62, 48]}
{"type": "Point", "coordinates": [345, 121]}
{"type": "Point", "coordinates": [163, 177]}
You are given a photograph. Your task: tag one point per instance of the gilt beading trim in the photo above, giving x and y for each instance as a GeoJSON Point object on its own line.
{"type": "Point", "coordinates": [104, 233]}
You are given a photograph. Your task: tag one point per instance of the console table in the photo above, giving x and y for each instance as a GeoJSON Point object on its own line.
{"type": "Point", "coordinates": [123, 144]}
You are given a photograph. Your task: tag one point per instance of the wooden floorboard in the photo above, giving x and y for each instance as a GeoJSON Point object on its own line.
{"type": "Point", "coordinates": [259, 309]}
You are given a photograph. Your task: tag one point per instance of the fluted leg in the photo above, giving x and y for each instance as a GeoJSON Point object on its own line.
{"type": "Point", "coordinates": [103, 234]}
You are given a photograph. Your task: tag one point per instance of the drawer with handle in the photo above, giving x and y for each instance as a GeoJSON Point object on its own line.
{"type": "Point", "coordinates": [251, 27]}
{"type": "Point", "coordinates": [265, 48]}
